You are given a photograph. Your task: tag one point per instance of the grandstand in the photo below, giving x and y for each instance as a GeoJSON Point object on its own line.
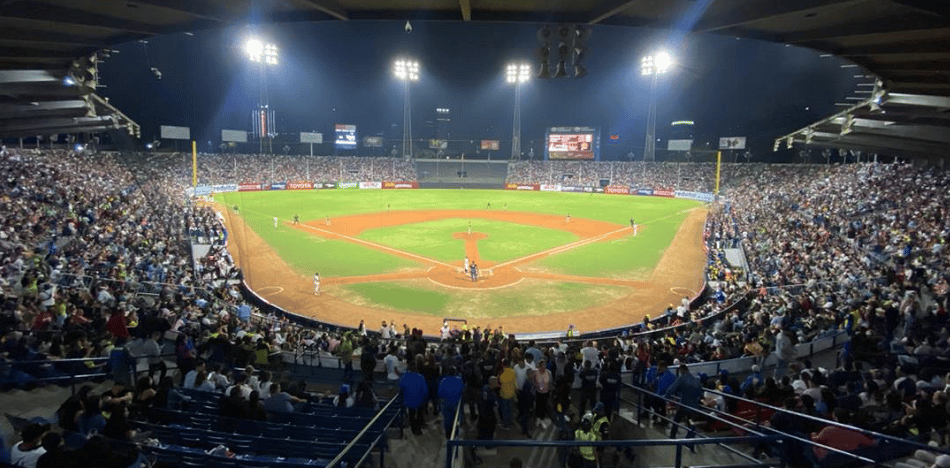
{"type": "Point", "coordinates": [452, 173]}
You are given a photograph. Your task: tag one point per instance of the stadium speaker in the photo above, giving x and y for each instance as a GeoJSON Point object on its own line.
{"type": "Point", "coordinates": [579, 71]}
{"type": "Point", "coordinates": [545, 67]}
{"type": "Point", "coordinates": [560, 71]}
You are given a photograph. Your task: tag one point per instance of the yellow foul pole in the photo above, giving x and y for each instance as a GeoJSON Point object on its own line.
{"type": "Point", "coordinates": [718, 166]}
{"type": "Point", "coordinates": [194, 166]}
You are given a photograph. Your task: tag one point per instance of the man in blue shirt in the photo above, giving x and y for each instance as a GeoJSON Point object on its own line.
{"type": "Point", "coordinates": [450, 393]}
{"type": "Point", "coordinates": [689, 390]}
{"type": "Point", "coordinates": [414, 391]}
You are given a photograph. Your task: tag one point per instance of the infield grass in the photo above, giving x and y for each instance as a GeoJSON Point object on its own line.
{"type": "Point", "coordinates": [433, 239]}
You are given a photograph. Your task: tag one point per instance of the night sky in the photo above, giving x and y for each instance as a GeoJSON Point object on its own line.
{"type": "Point", "coordinates": [341, 72]}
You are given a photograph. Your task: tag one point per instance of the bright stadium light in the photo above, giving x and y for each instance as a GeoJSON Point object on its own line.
{"type": "Point", "coordinates": [517, 72]}
{"type": "Point", "coordinates": [259, 52]}
{"type": "Point", "coordinates": [406, 70]}
{"type": "Point", "coordinates": [653, 66]}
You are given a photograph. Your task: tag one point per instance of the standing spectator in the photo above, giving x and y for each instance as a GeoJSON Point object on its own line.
{"type": "Point", "coordinates": [487, 401]}
{"type": "Point", "coordinates": [414, 391]}
{"type": "Point", "coordinates": [507, 392]}
{"type": "Point", "coordinates": [784, 351]}
{"type": "Point", "coordinates": [689, 390]}
{"type": "Point", "coordinates": [450, 394]}
{"type": "Point", "coordinates": [542, 394]}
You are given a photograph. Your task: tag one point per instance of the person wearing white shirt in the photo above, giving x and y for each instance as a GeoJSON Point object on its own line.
{"type": "Point", "coordinates": [190, 377]}
{"type": "Point", "coordinates": [28, 452]}
{"type": "Point", "coordinates": [392, 365]}
{"type": "Point", "coordinates": [590, 353]}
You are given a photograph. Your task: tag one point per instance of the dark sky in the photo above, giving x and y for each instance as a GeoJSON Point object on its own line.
{"type": "Point", "coordinates": [341, 72]}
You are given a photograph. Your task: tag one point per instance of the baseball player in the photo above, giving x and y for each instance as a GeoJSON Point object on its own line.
{"type": "Point", "coordinates": [469, 228]}
{"type": "Point", "coordinates": [328, 220]}
{"type": "Point", "coordinates": [567, 218]}
{"type": "Point", "coordinates": [296, 219]}
{"type": "Point", "coordinates": [275, 223]}
{"type": "Point", "coordinates": [316, 284]}
{"type": "Point", "coordinates": [466, 263]}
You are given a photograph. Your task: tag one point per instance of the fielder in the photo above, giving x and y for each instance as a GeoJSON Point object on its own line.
{"type": "Point", "coordinates": [567, 218]}
{"type": "Point", "coordinates": [296, 219]}
{"type": "Point", "coordinates": [316, 284]}
{"type": "Point", "coordinates": [275, 223]}
{"type": "Point", "coordinates": [469, 228]}
{"type": "Point", "coordinates": [328, 220]}
{"type": "Point", "coordinates": [466, 263]}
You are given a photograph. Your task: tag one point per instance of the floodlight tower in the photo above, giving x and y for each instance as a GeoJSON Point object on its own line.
{"type": "Point", "coordinates": [406, 71]}
{"type": "Point", "coordinates": [653, 66]}
{"type": "Point", "coordinates": [264, 55]}
{"type": "Point", "coordinates": [517, 73]}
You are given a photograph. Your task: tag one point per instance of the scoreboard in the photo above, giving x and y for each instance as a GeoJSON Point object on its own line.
{"type": "Point", "coordinates": [576, 143]}
{"type": "Point", "coordinates": [345, 136]}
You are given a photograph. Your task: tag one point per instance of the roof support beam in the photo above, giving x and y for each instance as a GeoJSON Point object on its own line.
{"type": "Point", "coordinates": [466, 6]}
{"type": "Point", "coordinates": [764, 11]}
{"type": "Point", "coordinates": [203, 10]}
{"type": "Point", "coordinates": [611, 8]}
{"type": "Point", "coordinates": [329, 7]}
{"type": "Point", "coordinates": [56, 15]}
{"type": "Point", "coordinates": [896, 26]}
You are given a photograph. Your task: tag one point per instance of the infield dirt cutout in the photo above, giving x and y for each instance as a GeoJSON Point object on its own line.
{"type": "Point", "coordinates": [679, 269]}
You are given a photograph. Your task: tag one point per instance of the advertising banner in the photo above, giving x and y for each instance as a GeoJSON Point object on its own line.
{"type": "Point", "coordinates": [278, 186]}
{"type": "Point", "coordinates": [224, 188]}
{"type": "Point", "coordinates": [701, 196]}
{"type": "Point", "coordinates": [237, 136]}
{"type": "Point", "coordinates": [171, 132]}
{"type": "Point", "coordinates": [598, 190]}
{"type": "Point", "coordinates": [324, 185]}
{"type": "Point", "coordinates": [347, 185]}
{"type": "Point", "coordinates": [645, 191]}
{"type": "Point", "coordinates": [249, 187]}
{"type": "Point", "coordinates": [201, 190]}
{"type": "Point", "coordinates": [550, 188]}
{"type": "Point", "coordinates": [664, 193]}
{"type": "Point", "coordinates": [309, 137]}
{"type": "Point", "coordinates": [589, 189]}
{"type": "Point", "coordinates": [371, 185]}
{"type": "Point", "coordinates": [373, 141]}
{"type": "Point", "coordinates": [679, 145]}
{"type": "Point", "coordinates": [489, 145]}
{"type": "Point", "coordinates": [400, 185]}
{"type": "Point", "coordinates": [522, 187]}
{"type": "Point", "coordinates": [617, 190]}
{"type": "Point", "coordinates": [299, 185]}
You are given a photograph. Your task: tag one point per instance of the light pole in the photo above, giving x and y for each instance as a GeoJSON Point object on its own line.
{"type": "Point", "coordinates": [406, 71]}
{"type": "Point", "coordinates": [265, 55]}
{"type": "Point", "coordinates": [653, 66]}
{"type": "Point", "coordinates": [517, 73]}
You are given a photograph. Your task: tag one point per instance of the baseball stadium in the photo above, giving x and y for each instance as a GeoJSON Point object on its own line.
{"type": "Point", "coordinates": [474, 234]}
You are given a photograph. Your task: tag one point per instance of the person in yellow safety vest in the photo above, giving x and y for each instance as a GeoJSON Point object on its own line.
{"type": "Point", "coordinates": [586, 432]}
{"type": "Point", "coordinates": [570, 331]}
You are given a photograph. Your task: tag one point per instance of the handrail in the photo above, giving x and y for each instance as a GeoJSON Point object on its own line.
{"type": "Point", "coordinates": [349, 446]}
{"type": "Point", "coordinates": [783, 434]}
{"type": "Point", "coordinates": [829, 422]}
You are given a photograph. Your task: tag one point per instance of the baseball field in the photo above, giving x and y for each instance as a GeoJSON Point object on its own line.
{"type": "Point", "coordinates": [545, 259]}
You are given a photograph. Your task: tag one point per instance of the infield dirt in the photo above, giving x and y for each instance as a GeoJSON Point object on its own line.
{"type": "Point", "coordinates": [678, 273]}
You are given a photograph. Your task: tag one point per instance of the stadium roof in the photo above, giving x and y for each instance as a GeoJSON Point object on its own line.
{"type": "Point", "coordinates": [906, 43]}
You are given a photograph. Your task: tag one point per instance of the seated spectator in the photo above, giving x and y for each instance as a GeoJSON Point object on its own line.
{"type": "Point", "coordinates": [840, 438]}
{"type": "Point", "coordinates": [29, 451]}
{"type": "Point", "coordinates": [254, 409]}
{"type": "Point", "coordinates": [280, 402]}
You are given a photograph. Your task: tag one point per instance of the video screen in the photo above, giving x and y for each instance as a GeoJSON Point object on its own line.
{"type": "Point", "coordinates": [345, 136]}
{"type": "Point", "coordinates": [571, 146]}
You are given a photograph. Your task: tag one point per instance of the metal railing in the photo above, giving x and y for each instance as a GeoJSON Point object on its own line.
{"type": "Point", "coordinates": [338, 460]}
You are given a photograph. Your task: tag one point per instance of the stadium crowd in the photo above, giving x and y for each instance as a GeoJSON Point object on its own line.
{"type": "Point", "coordinates": [698, 177]}
{"type": "Point", "coordinates": [95, 256]}
{"type": "Point", "coordinates": [216, 169]}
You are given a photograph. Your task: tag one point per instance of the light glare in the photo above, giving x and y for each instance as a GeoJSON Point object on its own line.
{"type": "Point", "coordinates": [406, 70]}
{"type": "Point", "coordinates": [517, 72]}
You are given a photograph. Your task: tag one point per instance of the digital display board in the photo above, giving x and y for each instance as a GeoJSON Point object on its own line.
{"type": "Point", "coordinates": [572, 143]}
{"type": "Point", "coordinates": [345, 136]}
{"type": "Point", "coordinates": [490, 145]}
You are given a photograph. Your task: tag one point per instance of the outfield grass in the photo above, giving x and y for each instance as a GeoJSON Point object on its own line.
{"type": "Point", "coordinates": [318, 204]}
{"type": "Point", "coordinates": [307, 253]}
{"type": "Point", "coordinates": [630, 256]}
{"type": "Point", "coordinates": [528, 298]}
{"type": "Point", "coordinates": [433, 239]}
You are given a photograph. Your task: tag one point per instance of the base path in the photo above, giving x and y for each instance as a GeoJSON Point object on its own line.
{"type": "Point", "coordinates": [679, 271]}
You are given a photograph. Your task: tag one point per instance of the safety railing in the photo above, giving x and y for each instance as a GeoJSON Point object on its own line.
{"type": "Point", "coordinates": [392, 410]}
